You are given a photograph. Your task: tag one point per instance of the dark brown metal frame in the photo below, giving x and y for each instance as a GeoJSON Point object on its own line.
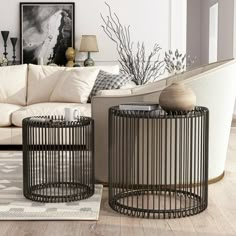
{"type": "Point", "coordinates": [158, 162]}
{"type": "Point", "coordinates": [10, 147]}
{"type": "Point", "coordinates": [58, 159]}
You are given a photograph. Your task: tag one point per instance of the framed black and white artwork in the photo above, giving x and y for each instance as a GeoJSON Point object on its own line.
{"type": "Point", "coordinates": [47, 30]}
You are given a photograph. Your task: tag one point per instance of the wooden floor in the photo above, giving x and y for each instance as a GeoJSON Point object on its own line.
{"type": "Point", "coordinates": [218, 219]}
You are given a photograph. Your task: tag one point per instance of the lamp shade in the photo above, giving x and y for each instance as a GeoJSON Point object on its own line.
{"type": "Point", "coordinates": [88, 43]}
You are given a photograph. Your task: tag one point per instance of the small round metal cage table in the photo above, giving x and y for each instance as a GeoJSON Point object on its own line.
{"type": "Point", "coordinates": [158, 162]}
{"type": "Point", "coordinates": [58, 159]}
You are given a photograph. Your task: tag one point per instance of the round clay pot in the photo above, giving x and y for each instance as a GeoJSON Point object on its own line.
{"type": "Point", "coordinates": [177, 97]}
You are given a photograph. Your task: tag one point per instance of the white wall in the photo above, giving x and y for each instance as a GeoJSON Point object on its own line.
{"type": "Point", "coordinates": [226, 30]}
{"type": "Point", "coordinates": [178, 24]}
{"type": "Point", "coordinates": [227, 41]}
{"type": "Point", "coordinates": [149, 21]}
{"type": "Point", "coordinates": [198, 30]}
{"type": "Point", "coordinates": [194, 30]}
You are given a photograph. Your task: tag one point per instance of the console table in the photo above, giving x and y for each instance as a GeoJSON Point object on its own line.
{"type": "Point", "coordinates": [58, 159]}
{"type": "Point", "coordinates": [158, 162]}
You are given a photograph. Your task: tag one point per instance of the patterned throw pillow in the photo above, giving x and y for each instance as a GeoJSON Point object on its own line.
{"type": "Point", "coordinates": [107, 81]}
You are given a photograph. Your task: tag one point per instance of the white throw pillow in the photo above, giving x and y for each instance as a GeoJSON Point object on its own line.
{"type": "Point", "coordinates": [42, 80]}
{"type": "Point", "coordinates": [13, 80]}
{"type": "Point", "coordinates": [74, 85]}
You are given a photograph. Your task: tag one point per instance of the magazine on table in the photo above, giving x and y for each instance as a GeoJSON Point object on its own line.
{"type": "Point", "coordinates": [139, 106]}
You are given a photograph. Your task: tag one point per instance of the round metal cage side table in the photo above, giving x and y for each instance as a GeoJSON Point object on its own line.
{"type": "Point", "coordinates": [158, 162]}
{"type": "Point", "coordinates": [58, 159]}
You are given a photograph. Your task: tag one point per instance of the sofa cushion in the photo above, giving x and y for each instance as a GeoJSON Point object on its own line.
{"type": "Point", "coordinates": [74, 86]}
{"type": "Point", "coordinates": [13, 81]}
{"type": "Point", "coordinates": [42, 80]}
{"type": "Point", "coordinates": [109, 81]}
{"type": "Point", "coordinates": [47, 109]}
{"type": "Point", "coordinates": [6, 111]}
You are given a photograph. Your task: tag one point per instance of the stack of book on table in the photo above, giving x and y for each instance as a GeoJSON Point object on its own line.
{"type": "Point", "coordinates": [139, 106]}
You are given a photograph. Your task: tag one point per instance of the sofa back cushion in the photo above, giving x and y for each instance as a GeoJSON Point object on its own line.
{"type": "Point", "coordinates": [43, 80]}
{"type": "Point", "coordinates": [13, 82]}
{"type": "Point", "coordinates": [74, 85]}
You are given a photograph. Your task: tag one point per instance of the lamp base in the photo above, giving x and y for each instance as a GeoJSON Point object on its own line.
{"type": "Point", "coordinates": [89, 62]}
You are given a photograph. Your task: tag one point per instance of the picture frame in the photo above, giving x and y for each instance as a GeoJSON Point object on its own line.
{"type": "Point", "coordinates": [46, 31]}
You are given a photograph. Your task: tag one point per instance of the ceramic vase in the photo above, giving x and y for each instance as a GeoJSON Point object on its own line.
{"type": "Point", "coordinates": [70, 56]}
{"type": "Point", "coordinates": [177, 97]}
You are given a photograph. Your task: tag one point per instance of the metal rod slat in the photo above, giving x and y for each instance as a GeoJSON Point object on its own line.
{"type": "Point", "coordinates": [58, 159]}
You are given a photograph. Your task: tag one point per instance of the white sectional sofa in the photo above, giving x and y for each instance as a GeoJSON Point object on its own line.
{"type": "Point", "coordinates": [35, 90]}
{"type": "Point", "coordinates": [32, 90]}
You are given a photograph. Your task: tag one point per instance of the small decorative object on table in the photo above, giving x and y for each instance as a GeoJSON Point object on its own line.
{"type": "Point", "coordinates": [89, 44]}
{"type": "Point", "coordinates": [5, 37]}
{"type": "Point", "coordinates": [13, 42]}
{"type": "Point", "coordinates": [177, 97]}
{"type": "Point", "coordinates": [71, 114]}
{"type": "Point", "coordinates": [158, 162]}
{"type": "Point", "coordinates": [70, 56]}
{"type": "Point", "coordinates": [58, 159]}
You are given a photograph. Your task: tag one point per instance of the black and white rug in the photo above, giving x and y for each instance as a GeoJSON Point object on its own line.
{"type": "Point", "coordinates": [14, 206]}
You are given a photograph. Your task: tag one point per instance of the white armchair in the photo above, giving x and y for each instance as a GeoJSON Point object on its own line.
{"type": "Point", "coordinates": [215, 88]}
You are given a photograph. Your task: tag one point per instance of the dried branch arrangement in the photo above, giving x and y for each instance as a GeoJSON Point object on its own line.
{"type": "Point", "coordinates": [176, 62]}
{"type": "Point", "coordinates": [143, 68]}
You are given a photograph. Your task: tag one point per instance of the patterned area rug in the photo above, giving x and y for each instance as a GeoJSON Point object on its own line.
{"type": "Point", "coordinates": [14, 206]}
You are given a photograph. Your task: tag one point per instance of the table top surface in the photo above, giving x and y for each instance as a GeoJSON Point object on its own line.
{"type": "Point", "coordinates": [56, 121]}
{"type": "Point", "coordinates": [158, 113]}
